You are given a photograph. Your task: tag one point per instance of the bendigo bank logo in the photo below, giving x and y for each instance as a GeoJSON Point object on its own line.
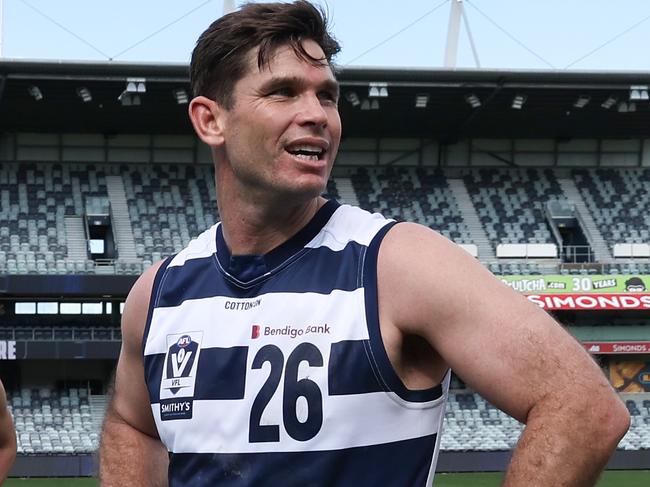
{"type": "Point", "coordinates": [289, 330]}
{"type": "Point", "coordinates": [179, 375]}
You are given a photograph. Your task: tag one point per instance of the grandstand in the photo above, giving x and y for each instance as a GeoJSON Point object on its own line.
{"type": "Point", "coordinates": [155, 209]}
{"type": "Point", "coordinates": [549, 196]}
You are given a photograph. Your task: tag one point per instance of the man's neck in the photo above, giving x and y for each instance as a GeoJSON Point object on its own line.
{"type": "Point", "coordinates": [250, 228]}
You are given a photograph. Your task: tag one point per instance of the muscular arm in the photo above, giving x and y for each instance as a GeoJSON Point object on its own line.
{"type": "Point", "coordinates": [7, 437]}
{"type": "Point", "coordinates": [508, 350]}
{"type": "Point", "coordinates": [131, 453]}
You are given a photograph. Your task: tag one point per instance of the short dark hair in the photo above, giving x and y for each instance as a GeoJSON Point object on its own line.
{"type": "Point", "coordinates": [219, 58]}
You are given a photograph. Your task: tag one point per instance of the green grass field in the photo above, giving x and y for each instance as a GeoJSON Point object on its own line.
{"type": "Point", "coordinates": [634, 478]}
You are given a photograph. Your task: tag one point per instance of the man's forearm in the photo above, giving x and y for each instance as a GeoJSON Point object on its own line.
{"type": "Point", "coordinates": [7, 457]}
{"type": "Point", "coordinates": [128, 457]}
{"type": "Point", "coordinates": [8, 445]}
{"type": "Point", "coordinates": [565, 448]}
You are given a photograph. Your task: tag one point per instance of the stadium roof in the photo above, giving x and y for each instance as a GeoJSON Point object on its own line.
{"type": "Point", "coordinates": [614, 104]}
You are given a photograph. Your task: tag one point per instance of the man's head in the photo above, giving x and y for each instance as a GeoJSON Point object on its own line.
{"type": "Point", "coordinates": [266, 102]}
{"type": "Point", "coordinates": [634, 285]}
{"type": "Point", "coordinates": [220, 57]}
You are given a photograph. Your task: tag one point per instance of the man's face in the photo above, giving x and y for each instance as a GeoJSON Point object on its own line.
{"type": "Point", "coordinates": [635, 288]}
{"type": "Point", "coordinates": [283, 131]}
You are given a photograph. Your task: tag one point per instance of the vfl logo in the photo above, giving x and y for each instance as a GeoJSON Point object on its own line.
{"type": "Point", "coordinates": [180, 362]}
{"type": "Point", "coordinates": [180, 355]}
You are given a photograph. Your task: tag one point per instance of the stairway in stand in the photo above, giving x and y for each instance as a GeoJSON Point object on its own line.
{"type": "Point", "coordinates": [122, 229]}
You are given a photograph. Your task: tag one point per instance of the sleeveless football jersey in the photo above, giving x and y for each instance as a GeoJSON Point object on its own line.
{"type": "Point", "coordinates": [270, 370]}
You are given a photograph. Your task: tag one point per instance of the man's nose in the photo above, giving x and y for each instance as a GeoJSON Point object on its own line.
{"type": "Point", "coordinates": [312, 111]}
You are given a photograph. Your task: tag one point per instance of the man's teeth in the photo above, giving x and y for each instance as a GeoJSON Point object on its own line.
{"type": "Point", "coordinates": [313, 157]}
{"type": "Point", "coordinates": [306, 152]}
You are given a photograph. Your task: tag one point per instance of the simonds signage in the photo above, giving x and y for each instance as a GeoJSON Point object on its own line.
{"type": "Point", "coordinates": [591, 301]}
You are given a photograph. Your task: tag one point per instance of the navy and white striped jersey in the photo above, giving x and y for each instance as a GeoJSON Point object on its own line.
{"type": "Point", "coordinates": [270, 370]}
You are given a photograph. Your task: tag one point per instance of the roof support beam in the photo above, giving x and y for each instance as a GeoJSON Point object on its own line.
{"type": "Point", "coordinates": [457, 133]}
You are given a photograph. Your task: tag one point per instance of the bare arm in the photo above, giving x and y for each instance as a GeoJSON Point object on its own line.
{"type": "Point", "coordinates": [508, 350]}
{"type": "Point", "coordinates": [7, 437]}
{"type": "Point", "coordinates": [131, 453]}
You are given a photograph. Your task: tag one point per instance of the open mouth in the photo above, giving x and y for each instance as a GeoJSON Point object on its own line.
{"type": "Point", "coordinates": [307, 152]}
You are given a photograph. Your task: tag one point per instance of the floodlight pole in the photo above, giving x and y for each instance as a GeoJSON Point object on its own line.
{"type": "Point", "coordinates": [453, 32]}
{"type": "Point", "coordinates": [471, 39]}
{"type": "Point", "coordinates": [2, 18]}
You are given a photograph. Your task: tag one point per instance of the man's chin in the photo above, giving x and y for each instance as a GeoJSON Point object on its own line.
{"type": "Point", "coordinates": [304, 193]}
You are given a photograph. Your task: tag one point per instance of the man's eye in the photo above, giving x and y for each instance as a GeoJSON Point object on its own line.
{"type": "Point", "coordinates": [329, 97]}
{"type": "Point", "coordinates": [285, 91]}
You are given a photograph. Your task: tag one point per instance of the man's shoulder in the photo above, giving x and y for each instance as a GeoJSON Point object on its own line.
{"type": "Point", "coordinates": [204, 245]}
{"type": "Point", "coordinates": [411, 253]}
{"type": "Point", "coordinates": [137, 304]}
{"type": "Point", "coordinates": [144, 284]}
{"type": "Point", "coordinates": [351, 223]}
{"type": "Point", "coordinates": [419, 238]}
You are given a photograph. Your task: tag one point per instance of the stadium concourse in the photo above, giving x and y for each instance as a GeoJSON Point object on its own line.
{"type": "Point", "coordinates": [539, 175]}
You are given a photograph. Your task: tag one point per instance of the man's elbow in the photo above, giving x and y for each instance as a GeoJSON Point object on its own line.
{"type": "Point", "coordinates": [611, 422]}
{"type": "Point", "coordinates": [8, 444]}
{"type": "Point", "coordinates": [7, 458]}
{"type": "Point", "coordinates": [621, 422]}
{"type": "Point", "coordinates": [9, 454]}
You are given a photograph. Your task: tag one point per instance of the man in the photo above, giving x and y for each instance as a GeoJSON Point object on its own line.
{"type": "Point", "coordinates": [7, 437]}
{"type": "Point", "coordinates": [305, 343]}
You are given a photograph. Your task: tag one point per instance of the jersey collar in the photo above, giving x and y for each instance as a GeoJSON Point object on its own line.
{"type": "Point", "coordinates": [246, 268]}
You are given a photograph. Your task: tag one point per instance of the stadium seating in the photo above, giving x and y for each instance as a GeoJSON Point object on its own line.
{"type": "Point", "coordinates": [69, 420]}
{"type": "Point", "coordinates": [471, 423]}
{"type": "Point", "coordinates": [169, 204]}
{"type": "Point", "coordinates": [54, 421]}
{"type": "Point", "coordinates": [510, 203]}
{"type": "Point", "coordinates": [638, 436]}
{"type": "Point", "coordinates": [524, 268]}
{"type": "Point", "coordinates": [413, 194]}
{"type": "Point", "coordinates": [627, 268]}
{"type": "Point", "coordinates": [618, 201]}
{"type": "Point", "coordinates": [34, 201]}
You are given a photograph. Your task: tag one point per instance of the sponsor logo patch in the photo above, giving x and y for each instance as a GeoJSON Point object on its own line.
{"type": "Point", "coordinates": [179, 375]}
{"type": "Point", "coordinates": [171, 409]}
{"type": "Point", "coordinates": [255, 331]}
{"type": "Point", "coordinates": [242, 305]}
{"type": "Point", "coordinates": [289, 330]}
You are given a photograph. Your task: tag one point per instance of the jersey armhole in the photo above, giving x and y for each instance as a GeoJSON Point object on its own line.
{"type": "Point", "coordinates": [381, 361]}
{"type": "Point", "coordinates": [153, 299]}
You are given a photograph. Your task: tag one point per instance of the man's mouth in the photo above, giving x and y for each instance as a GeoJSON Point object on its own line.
{"type": "Point", "coordinates": [306, 151]}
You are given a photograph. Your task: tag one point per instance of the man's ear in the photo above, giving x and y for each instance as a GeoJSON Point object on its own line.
{"type": "Point", "coordinates": [207, 117]}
